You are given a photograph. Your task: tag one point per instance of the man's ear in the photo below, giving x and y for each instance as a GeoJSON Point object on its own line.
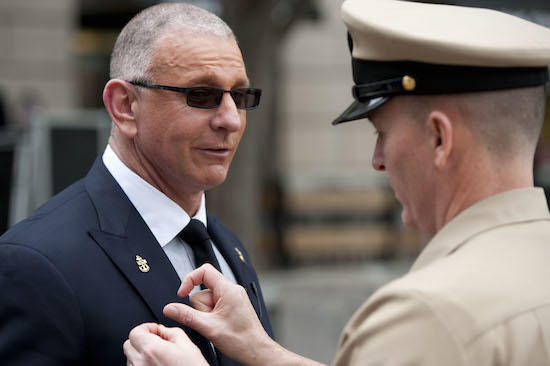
{"type": "Point", "coordinates": [441, 127]}
{"type": "Point", "coordinates": [120, 99]}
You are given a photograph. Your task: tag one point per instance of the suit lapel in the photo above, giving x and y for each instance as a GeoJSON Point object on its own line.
{"type": "Point", "coordinates": [156, 282]}
{"type": "Point", "coordinates": [232, 251]}
{"type": "Point", "coordinates": [123, 235]}
{"type": "Point", "coordinates": [227, 245]}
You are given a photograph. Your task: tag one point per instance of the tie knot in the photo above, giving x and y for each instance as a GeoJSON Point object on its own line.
{"type": "Point", "coordinates": [194, 233]}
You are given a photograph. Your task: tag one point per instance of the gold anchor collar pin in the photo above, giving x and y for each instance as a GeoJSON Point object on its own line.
{"type": "Point", "coordinates": [240, 254]}
{"type": "Point", "coordinates": [142, 264]}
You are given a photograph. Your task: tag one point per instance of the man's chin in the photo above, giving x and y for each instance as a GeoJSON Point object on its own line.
{"type": "Point", "coordinates": [214, 178]}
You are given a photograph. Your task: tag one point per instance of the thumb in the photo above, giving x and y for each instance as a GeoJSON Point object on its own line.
{"type": "Point", "coordinates": [188, 316]}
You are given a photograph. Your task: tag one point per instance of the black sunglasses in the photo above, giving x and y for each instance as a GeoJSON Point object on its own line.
{"type": "Point", "coordinates": [208, 97]}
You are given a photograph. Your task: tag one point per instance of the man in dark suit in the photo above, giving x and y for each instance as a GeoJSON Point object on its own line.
{"type": "Point", "coordinates": [107, 253]}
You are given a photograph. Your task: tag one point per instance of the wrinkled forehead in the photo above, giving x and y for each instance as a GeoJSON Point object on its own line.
{"type": "Point", "coordinates": [182, 52]}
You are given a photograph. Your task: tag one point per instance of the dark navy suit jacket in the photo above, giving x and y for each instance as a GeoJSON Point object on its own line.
{"type": "Point", "coordinates": [70, 287]}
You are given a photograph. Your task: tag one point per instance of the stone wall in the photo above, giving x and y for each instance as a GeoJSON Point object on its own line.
{"type": "Point", "coordinates": [316, 89]}
{"type": "Point", "coordinates": [35, 57]}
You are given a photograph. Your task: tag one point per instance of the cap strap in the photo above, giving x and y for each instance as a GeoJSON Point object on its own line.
{"type": "Point", "coordinates": [382, 78]}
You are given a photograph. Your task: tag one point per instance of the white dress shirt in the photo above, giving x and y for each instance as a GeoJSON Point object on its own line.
{"type": "Point", "coordinates": [163, 216]}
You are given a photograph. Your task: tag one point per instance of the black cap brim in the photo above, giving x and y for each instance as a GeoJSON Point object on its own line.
{"type": "Point", "coordinates": [358, 110]}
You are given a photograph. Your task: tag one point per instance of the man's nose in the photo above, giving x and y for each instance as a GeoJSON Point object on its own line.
{"type": "Point", "coordinates": [227, 115]}
{"type": "Point", "coordinates": [378, 159]}
{"type": "Point", "coordinates": [377, 164]}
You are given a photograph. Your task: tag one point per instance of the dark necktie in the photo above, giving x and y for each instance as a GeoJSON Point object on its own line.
{"type": "Point", "coordinates": [197, 237]}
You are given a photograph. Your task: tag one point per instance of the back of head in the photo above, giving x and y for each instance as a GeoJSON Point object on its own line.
{"type": "Point", "coordinates": [134, 46]}
{"type": "Point", "coordinates": [506, 123]}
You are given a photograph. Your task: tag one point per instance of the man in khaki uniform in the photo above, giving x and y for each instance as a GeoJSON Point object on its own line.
{"type": "Point", "coordinates": [457, 98]}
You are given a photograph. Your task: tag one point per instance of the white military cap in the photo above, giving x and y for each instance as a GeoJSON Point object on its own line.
{"type": "Point", "coordinates": [401, 47]}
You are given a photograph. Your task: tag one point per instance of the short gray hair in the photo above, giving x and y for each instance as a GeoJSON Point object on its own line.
{"type": "Point", "coordinates": [506, 122]}
{"type": "Point", "coordinates": [133, 50]}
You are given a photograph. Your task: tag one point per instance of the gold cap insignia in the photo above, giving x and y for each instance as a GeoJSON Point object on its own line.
{"type": "Point", "coordinates": [408, 82]}
{"type": "Point", "coordinates": [142, 264]}
{"type": "Point", "coordinates": [240, 254]}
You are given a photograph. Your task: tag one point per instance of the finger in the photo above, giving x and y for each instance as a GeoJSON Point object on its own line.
{"type": "Point", "coordinates": [203, 300]}
{"type": "Point", "coordinates": [174, 335]}
{"type": "Point", "coordinates": [126, 346]}
{"type": "Point", "coordinates": [132, 355]}
{"type": "Point", "coordinates": [194, 278]}
{"type": "Point", "coordinates": [206, 274]}
{"type": "Point", "coordinates": [141, 336]}
{"type": "Point", "coordinates": [188, 316]}
{"type": "Point", "coordinates": [144, 328]}
{"type": "Point", "coordinates": [150, 327]}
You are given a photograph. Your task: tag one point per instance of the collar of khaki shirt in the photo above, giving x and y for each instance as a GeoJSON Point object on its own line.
{"type": "Point", "coordinates": [515, 206]}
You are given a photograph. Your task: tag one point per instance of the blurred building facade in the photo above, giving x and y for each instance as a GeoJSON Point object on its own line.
{"type": "Point", "coordinates": [36, 61]}
{"type": "Point", "coordinates": [336, 206]}
{"type": "Point", "coordinates": [304, 190]}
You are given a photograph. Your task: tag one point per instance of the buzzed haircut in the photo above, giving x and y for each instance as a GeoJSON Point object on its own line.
{"type": "Point", "coordinates": [505, 122]}
{"type": "Point", "coordinates": [133, 50]}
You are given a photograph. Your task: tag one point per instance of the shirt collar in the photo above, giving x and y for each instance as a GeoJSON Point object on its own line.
{"type": "Point", "coordinates": [514, 206]}
{"type": "Point", "coordinates": [163, 216]}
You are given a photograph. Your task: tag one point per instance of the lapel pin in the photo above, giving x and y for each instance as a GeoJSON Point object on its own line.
{"type": "Point", "coordinates": [142, 264]}
{"type": "Point", "coordinates": [240, 254]}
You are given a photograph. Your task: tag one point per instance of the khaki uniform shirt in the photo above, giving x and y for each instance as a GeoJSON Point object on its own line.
{"type": "Point", "coordinates": [478, 294]}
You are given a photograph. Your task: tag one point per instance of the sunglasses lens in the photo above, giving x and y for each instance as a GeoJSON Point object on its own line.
{"type": "Point", "coordinates": [246, 98]}
{"type": "Point", "coordinates": [204, 97]}
{"type": "Point", "coordinates": [210, 97]}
